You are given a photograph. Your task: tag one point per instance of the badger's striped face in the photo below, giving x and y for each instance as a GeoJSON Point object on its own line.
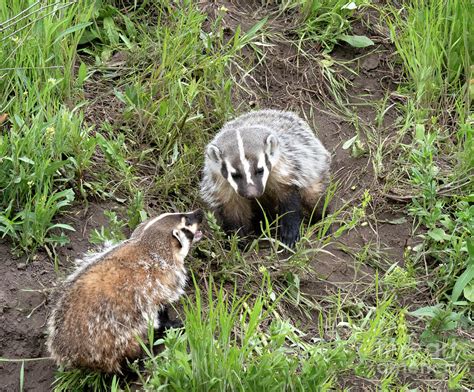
{"type": "Point", "coordinates": [246, 168]}
{"type": "Point", "coordinates": [180, 229]}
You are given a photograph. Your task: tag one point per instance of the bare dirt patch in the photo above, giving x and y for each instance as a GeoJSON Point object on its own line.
{"type": "Point", "coordinates": [25, 289]}
{"type": "Point", "coordinates": [23, 313]}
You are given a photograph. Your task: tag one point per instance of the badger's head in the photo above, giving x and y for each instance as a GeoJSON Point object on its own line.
{"type": "Point", "coordinates": [245, 157]}
{"type": "Point", "coordinates": [174, 232]}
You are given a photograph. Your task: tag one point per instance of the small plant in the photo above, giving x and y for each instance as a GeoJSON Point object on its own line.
{"type": "Point", "coordinates": [448, 229]}
{"type": "Point", "coordinates": [327, 22]}
{"type": "Point", "coordinates": [136, 213]}
{"type": "Point", "coordinates": [227, 350]}
{"type": "Point", "coordinates": [113, 233]}
{"type": "Point", "coordinates": [399, 278]}
{"type": "Point", "coordinates": [81, 380]}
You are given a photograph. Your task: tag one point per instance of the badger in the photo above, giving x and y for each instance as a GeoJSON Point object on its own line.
{"type": "Point", "coordinates": [269, 159]}
{"type": "Point", "coordinates": [114, 296]}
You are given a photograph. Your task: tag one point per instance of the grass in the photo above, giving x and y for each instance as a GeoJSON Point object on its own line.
{"type": "Point", "coordinates": [116, 100]}
{"type": "Point", "coordinates": [326, 22]}
{"type": "Point", "coordinates": [439, 155]}
{"type": "Point", "coordinates": [240, 343]}
{"type": "Point", "coordinates": [44, 146]}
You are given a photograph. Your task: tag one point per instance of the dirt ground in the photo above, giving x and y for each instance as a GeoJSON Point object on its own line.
{"type": "Point", "coordinates": [24, 288]}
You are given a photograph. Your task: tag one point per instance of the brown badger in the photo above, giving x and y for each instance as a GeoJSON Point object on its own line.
{"type": "Point", "coordinates": [114, 296]}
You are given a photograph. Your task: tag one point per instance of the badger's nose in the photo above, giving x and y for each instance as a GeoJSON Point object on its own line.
{"type": "Point", "coordinates": [251, 192]}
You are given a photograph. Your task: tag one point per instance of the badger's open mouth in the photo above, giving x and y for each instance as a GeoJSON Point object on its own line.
{"type": "Point", "coordinates": [197, 236]}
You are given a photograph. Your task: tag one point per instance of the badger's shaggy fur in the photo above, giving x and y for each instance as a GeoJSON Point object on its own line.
{"type": "Point", "coordinates": [113, 296]}
{"type": "Point", "coordinates": [271, 156]}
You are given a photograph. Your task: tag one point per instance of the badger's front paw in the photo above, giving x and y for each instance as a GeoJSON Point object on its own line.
{"type": "Point", "coordinates": [290, 233]}
{"type": "Point", "coordinates": [167, 324]}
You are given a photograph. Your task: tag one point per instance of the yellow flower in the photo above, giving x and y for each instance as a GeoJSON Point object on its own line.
{"type": "Point", "coordinates": [50, 132]}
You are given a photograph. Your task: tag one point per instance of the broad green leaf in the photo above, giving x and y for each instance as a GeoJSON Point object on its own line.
{"type": "Point", "coordinates": [349, 142]}
{"type": "Point", "coordinates": [71, 30]}
{"type": "Point", "coordinates": [111, 30]}
{"type": "Point", "coordinates": [81, 74]}
{"type": "Point", "coordinates": [27, 160]}
{"type": "Point", "coordinates": [357, 41]}
{"type": "Point", "coordinates": [62, 226]}
{"type": "Point", "coordinates": [427, 311]}
{"type": "Point", "coordinates": [470, 249]}
{"type": "Point", "coordinates": [419, 132]}
{"type": "Point", "coordinates": [438, 235]}
{"type": "Point", "coordinates": [88, 36]}
{"type": "Point", "coordinates": [464, 279]}
{"type": "Point", "coordinates": [469, 291]}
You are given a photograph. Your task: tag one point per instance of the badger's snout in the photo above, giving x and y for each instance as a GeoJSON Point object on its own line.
{"type": "Point", "coordinates": [251, 192]}
{"type": "Point", "coordinates": [193, 221]}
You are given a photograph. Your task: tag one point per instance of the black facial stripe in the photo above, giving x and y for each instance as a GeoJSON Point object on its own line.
{"type": "Point", "coordinates": [224, 171]}
{"type": "Point", "coordinates": [188, 233]}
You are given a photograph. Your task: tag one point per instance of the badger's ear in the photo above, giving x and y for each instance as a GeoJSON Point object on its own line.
{"type": "Point", "coordinates": [271, 145]}
{"type": "Point", "coordinates": [179, 236]}
{"type": "Point", "coordinates": [214, 153]}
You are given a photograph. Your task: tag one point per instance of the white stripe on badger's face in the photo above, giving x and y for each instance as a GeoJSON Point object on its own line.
{"type": "Point", "coordinates": [183, 240]}
{"type": "Point", "coordinates": [266, 171]}
{"type": "Point", "coordinates": [154, 220]}
{"type": "Point", "coordinates": [243, 160]}
{"type": "Point", "coordinates": [230, 170]}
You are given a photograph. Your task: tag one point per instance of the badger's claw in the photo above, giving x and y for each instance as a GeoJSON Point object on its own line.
{"type": "Point", "coordinates": [290, 234]}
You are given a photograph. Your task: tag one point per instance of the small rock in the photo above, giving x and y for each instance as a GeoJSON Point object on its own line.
{"type": "Point", "coordinates": [21, 266]}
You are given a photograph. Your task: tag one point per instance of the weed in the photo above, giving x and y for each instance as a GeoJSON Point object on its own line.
{"type": "Point", "coordinates": [80, 380]}
{"type": "Point", "coordinates": [327, 22]}
{"type": "Point", "coordinates": [448, 228]}
{"type": "Point", "coordinates": [112, 233]}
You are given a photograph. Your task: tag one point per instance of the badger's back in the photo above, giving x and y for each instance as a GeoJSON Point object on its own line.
{"type": "Point", "coordinates": [100, 312]}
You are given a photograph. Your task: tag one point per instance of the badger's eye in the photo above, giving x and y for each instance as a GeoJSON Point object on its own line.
{"type": "Point", "coordinates": [259, 171]}
{"type": "Point", "coordinates": [236, 175]}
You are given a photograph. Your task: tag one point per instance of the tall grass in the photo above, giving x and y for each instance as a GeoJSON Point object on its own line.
{"type": "Point", "coordinates": [181, 90]}
{"type": "Point", "coordinates": [241, 344]}
{"type": "Point", "coordinates": [433, 40]}
{"type": "Point", "coordinates": [44, 147]}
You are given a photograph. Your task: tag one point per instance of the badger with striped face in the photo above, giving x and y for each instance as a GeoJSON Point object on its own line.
{"type": "Point", "coordinates": [248, 170]}
{"type": "Point", "coordinates": [267, 156]}
{"type": "Point", "coordinates": [114, 296]}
